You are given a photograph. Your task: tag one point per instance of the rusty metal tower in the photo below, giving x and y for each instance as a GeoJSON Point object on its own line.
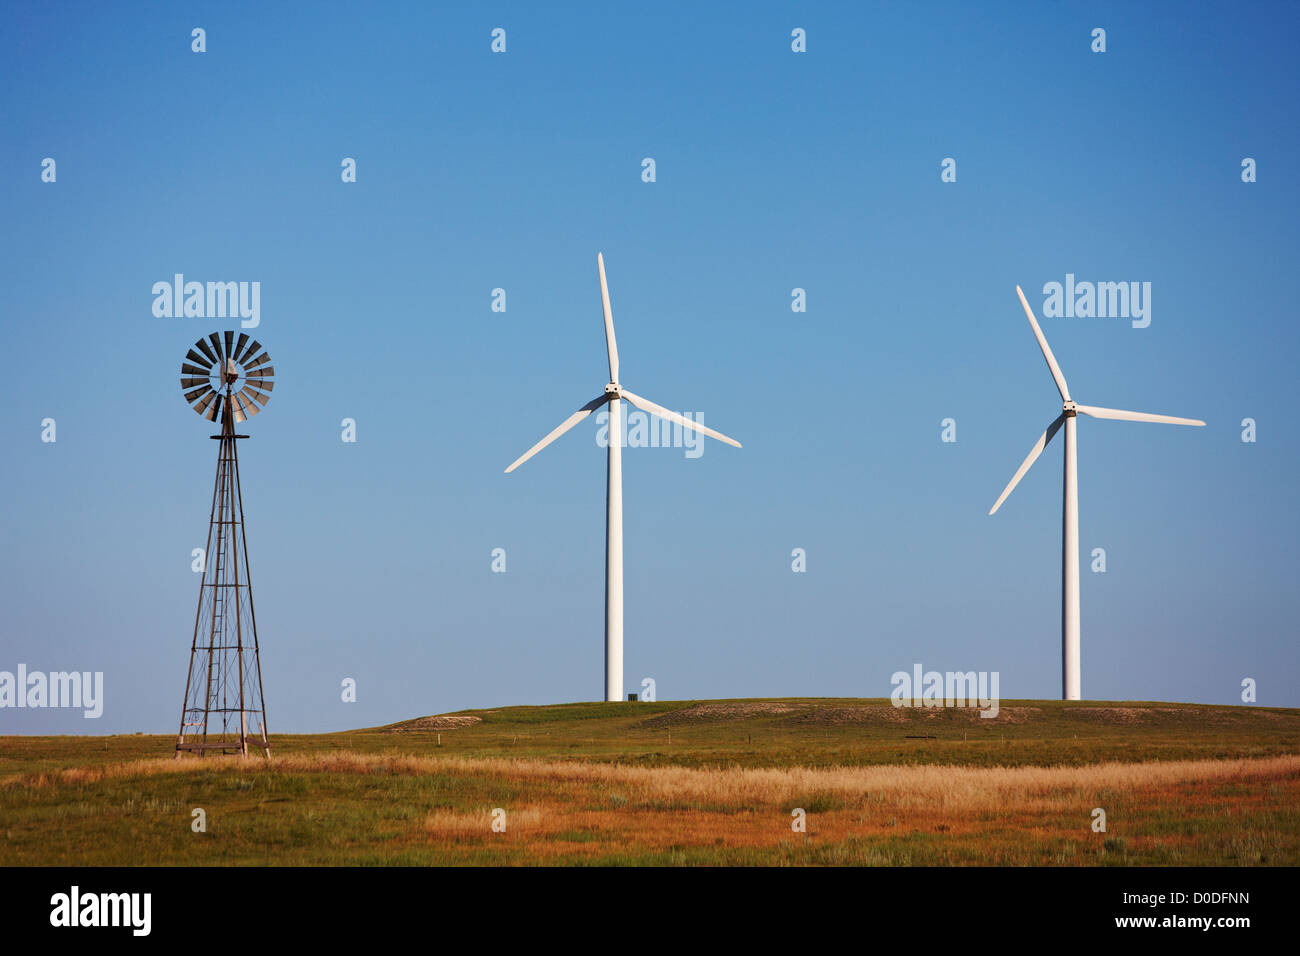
{"type": "Point", "coordinates": [225, 381]}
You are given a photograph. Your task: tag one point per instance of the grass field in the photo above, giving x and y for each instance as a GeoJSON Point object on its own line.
{"type": "Point", "coordinates": [685, 782]}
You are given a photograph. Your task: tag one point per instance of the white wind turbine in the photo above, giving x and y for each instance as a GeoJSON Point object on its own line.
{"type": "Point", "coordinates": [1070, 682]}
{"type": "Point", "coordinates": [614, 487]}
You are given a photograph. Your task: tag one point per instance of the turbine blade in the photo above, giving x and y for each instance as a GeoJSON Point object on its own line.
{"type": "Point", "coordinates": [1047, 349]}
{"type": "Point", "coordinates": [239, 346]}
{"type": "Point", "coordinates": [568, 423]}
{"type": "Point", "coordinates": [202, 346]}
{"type": "Point", "coordinates": [1123, 416]}
{"type": "Point", "coordinates": [611, 344]}
{"type": "Point", "coordinates": [648, 406]}
{"type": "Point", "coordinates": [194, 356]}
{"type": "Point", "coordinates": [1043, 440]}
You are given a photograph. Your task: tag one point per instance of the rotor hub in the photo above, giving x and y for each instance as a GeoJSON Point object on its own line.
{"type": "Point", "coordinates": [1069, 409]}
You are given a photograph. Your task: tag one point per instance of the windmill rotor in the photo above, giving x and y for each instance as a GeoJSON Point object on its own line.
{"type": "Point", "coordinates": [222, 372]}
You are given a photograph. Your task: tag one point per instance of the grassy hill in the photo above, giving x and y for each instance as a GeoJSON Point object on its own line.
{"type": "Point", "coordinates": [685, 782]}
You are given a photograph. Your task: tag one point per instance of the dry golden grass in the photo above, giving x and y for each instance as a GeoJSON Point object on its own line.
{"type": "Point", "coordinates": [479, 820]}
{"type": "Point", "coordinates": [953, 788]}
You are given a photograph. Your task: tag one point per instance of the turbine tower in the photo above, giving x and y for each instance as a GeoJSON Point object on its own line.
{"type": "Point", "coordinates": [229, 382]}
{"type": "Point", "coordinates": [613, 394]}
{"type": "Point", "coordinates": [1070, 679]}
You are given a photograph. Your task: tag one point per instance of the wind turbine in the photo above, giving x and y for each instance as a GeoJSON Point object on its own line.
{"type": "Point", "coordinates": [1070, 688]}
{"type": "Point", "coordinates": [614, 487]}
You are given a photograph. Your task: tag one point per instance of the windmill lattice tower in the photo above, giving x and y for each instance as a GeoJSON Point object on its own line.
{"type": "Point", "coordinates": [227, 381]}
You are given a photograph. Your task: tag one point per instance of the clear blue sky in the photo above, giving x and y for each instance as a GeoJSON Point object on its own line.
{"type": "Point", "coordinates": [775, 170]}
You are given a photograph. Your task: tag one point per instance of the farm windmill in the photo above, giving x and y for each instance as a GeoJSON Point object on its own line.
{"type": "Point", "coordinates": [613, 394]}
{"type": "Point", "coordinates": [1070, 652]}
{"type": "Point", "coordinates": [225, 381]}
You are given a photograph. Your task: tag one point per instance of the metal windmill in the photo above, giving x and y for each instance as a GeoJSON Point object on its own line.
{"type": "Point", "coordinates": [225, 381]}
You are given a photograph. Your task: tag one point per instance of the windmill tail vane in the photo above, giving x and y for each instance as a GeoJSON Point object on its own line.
{"type": "Point", "coordinates": [230, 381]}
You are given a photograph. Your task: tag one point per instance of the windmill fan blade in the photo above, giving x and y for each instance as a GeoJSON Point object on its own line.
{"type": "Point", "coordinates": [568, 423]}
{"type": "Point", "coordinates": [252, 390]}
{"type": "Point", "coordinates": [261, 372]}
{"type": "Point", "coordinates": [215, 339]}
{"type": "Point", "coordinates": [646, 405]}
{"type": "Point", "coordinates": [1123, 416]}
{"type": "Point", "coordinates": [263, 383]}
{"type": "Point", "coordinates": [253, 348]}
{"type": "Point", "coordinates": [215, 409]}
{"type": "Point", "coordinates": [191, 396]}
{"type": "Point", "coordinates": [1047, 349]}
{"type": "Point", "coordinates": [246, 397]}
{"type": "Point", "coordinates": [198, 359]}
{"type": "Point", "coordinates": [230, 344]}
{"type": "Point", "coordinates": [611, 344]}
{"type": "Point", "coordinates": [1043, 440]}
{"type": "Point", "coordinates": [207, 400]}
{"type": "Point", "coordinates": [202, 346]}
{"type": "Point", "coordinates": [193, 382]}
{"type": "Point", "coordinates": [239, 345]}
{"type": "Point", "coordinates": [264, 357]}
{"type": "Point", "coordinates": [189, 369]}
{"type": "Point", "coordinates": [246, 402]}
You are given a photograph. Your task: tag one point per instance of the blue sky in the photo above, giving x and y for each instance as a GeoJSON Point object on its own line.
{"type": "Point", "coordinates": [775, 170]}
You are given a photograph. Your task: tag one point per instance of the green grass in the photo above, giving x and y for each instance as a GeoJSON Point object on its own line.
{"type": "Point", "coordinates": [1060, 732]}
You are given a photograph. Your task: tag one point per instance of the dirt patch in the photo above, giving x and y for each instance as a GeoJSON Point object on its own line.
{"type": "Point", "coordinates": [900, 715]}
{"type": "Point", "coordinates": [441, 722]}
{"type": "Point", "coordinates": [1114, 715]}
{"type": "Point", "coordinates": [804, 714]}
{"type": "Point", "coordinates": [714, 713]}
